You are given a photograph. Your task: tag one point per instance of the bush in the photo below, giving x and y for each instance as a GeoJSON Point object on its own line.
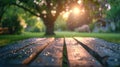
{"type": "Point", "coordinates": [91, 25]}
{"type": "Point", "coordinates": [34, 24]}
{"type": "Point", "coordinates": [15, 24]}
{"type": "Point", "coordinates": [118, 26]}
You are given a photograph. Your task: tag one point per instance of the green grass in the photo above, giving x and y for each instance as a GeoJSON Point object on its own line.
{"type": "Point", "coordinates": [112, 37]}
{"type": "Point", "coordinates": [6, 39]}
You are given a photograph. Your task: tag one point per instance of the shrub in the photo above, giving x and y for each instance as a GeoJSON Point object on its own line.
{"type": "Point", "coordinates": [14, 23]}
{"type": "Point", "coordinates": [91, 25]}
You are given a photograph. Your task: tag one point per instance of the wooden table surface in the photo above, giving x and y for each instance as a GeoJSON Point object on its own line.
{"type": "Point", "coordinates": [60, 52]}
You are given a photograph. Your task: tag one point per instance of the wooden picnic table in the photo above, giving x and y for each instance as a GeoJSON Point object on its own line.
{"type": "Point", "coordinates": [59, 52]}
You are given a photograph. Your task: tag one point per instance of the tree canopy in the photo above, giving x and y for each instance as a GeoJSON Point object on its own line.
{"type": "Point", "coordinates": [49, 10]}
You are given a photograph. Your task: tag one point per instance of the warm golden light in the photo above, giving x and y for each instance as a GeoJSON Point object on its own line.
{"type": "Point", "coordinates": [76, 10]}
{"type": "Point", "coordinates": [83, 11]}
{"type": "Point", "coordinates": [79, 1]}
{"type": "Point", "coordinates": [66, 15]}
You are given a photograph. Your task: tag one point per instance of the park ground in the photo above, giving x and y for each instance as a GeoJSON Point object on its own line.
{"type": "Point", "coordinates": [110, 37]}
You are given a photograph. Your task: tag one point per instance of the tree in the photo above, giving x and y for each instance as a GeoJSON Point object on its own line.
{"type": "Point", "coordinates": [3, 7]}
{"type": "Point", "coordinates": [114, 14]}
{"type": "Point", "coordinates": [47, 10]}
{"type": "Point", "coordinates": [15, 24]}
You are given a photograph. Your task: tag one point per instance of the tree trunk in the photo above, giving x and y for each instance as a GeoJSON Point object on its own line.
{"type": "Point", "coordinates": [49, 24]}
{"type": "Point", "coordinates": [49, 29]}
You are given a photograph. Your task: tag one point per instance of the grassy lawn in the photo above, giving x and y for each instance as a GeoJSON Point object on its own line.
{"type": "Point", "coordinates": [112, 37]}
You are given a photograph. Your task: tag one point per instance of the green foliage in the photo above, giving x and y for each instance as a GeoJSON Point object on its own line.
{"type": "Point", "coordinates": [118, 26]}
{"type": "Point", "coordinates": [91, 25]}
{"type": "Point", "coordinates": [92, 7]}
{"type": "Point", "coordinates": [15, 24]}
{"type": "Point", "coordinates": [7, 1]}
{"type": "Point", "coordinates": [13, 10]}
{"type": "Point", "coordinates": [60, 24]}
{"type": "Point", "coordinates": [34, 24]}
{"type": "Point", "coordinates": [114, 14]}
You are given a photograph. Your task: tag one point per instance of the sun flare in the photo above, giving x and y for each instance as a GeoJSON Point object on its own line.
{"type": "Point", "coordinates": [76, 10]}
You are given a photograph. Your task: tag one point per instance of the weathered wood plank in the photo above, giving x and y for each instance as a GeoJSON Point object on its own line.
{"type": "Point", "coordinates": [78, 56]}
{"type": "Point", "coordinates": [103, 49]}
{"type": "Point", "coordinates": [18, 46]}
{"type": "Point", "coordinates": [51, 55]}
{"type": "Point", "coordinates": [27, 54]}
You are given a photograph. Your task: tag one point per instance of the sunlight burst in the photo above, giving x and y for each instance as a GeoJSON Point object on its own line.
{"type": "Point", "coordinates": [76, 10]}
